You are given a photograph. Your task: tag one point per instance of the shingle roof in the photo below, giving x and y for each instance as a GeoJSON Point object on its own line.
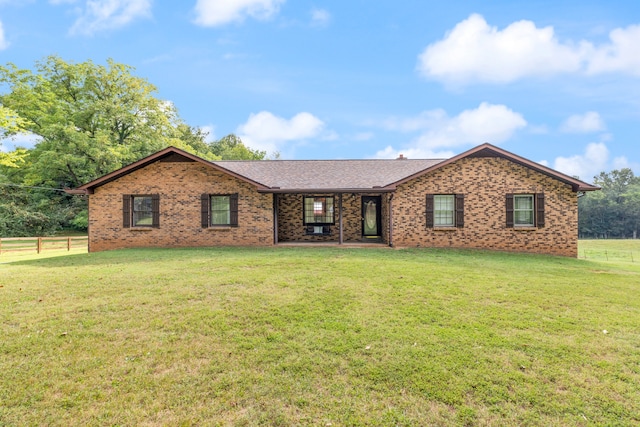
{"type": "Point", "coordinates": [326, 174]}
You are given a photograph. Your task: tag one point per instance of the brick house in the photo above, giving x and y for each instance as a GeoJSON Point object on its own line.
{"type": "Point", "coordinates": [485, 198]}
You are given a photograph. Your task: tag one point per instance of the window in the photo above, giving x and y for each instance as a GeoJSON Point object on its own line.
{"type": "Point", "coordinates": [141, 210]}
{"type": "Point", "coordinates": [219, 210]}
{"type": "Point", "coordinates": [525, 210]}
{"type": "Point", "coordinates": [318, 210]}
{"type": "Point", "coordinates": [445, 210]}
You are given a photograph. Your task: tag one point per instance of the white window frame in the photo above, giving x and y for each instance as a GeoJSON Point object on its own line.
{"type": "Point", "coordinates": [444, 217]}
{"type": "Point", "coordinates": [520, 212]}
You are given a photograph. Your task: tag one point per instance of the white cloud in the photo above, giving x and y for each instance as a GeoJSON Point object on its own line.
{"type": "Point", "coordinates": [487, 123]}
{"type": "Point", "coordinates": [474, 51]}
{"type": "Point", "coordinates": [620, 55]}
{"type": "Point", "coordinates": [587, 165]}
{"type": "Point", "coordinates": [438, 131]}
{"type": "Point", "coordinates": [100, 15]}
{"type": "Point", "coordinates": [320, 17]}
{"type": "Point", "coordinates": [3, 42]}
{"type": "Point", "coordinates": [266, 131]}
{"type": "Point", "coordinates": [212, 13]}
{"type": "Point", "coordinates": [583, 123]}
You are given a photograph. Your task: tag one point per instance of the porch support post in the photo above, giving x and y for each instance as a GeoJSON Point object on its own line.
{"type": "Point", "coordinates": [275, 218]}
{"type": "Point", "coordinates": [340, 217]}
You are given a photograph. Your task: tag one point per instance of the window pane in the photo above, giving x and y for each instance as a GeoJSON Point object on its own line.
{"type": "Point", "coordinates": [220, 210]}
{"type": "Point", "coordinates": [523, 202]}
{"type": "Point", "coordinates": [318, 210]}
{"type": "Point", "coordinates": [443, 213]}
{"type": "Point", "coordinates": [523, 210]}
{"type": "Point", "coordinates": [142, 211]}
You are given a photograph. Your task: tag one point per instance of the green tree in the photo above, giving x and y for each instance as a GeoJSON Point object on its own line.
{"type": "Point", "coordinates": [615, 210]}
{"type": "Point", "coordinates": [90, 119]}
{"type": "Point", "coordinates": [231, 147]}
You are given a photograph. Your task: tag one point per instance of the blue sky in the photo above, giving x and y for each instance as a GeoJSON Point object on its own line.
{"type": "Point", "coordinates": [557, 82]}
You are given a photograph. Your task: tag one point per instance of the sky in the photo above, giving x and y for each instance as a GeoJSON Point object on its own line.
{"type": "Point", "coordinates": [557, 82]}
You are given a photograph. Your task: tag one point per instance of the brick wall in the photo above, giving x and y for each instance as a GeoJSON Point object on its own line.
{"type": "Point", "coordinates": [180, 185]}
{"type": "Point", "coordinates": [485, 183]}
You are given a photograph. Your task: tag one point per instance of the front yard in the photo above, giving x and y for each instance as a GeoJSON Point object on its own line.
{"type": "Point", "coordinates": [318, 336]}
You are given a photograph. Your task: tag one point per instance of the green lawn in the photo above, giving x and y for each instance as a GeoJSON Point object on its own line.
{"type": "Point", "coordinates": [319, 336]}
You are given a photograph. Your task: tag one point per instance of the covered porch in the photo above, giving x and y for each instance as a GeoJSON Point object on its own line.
{"type": "Point", "coordinates": [333, 218]}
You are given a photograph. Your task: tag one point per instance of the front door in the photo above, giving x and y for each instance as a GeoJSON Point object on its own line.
{"type": "Point", "coordinates": [371, 224]}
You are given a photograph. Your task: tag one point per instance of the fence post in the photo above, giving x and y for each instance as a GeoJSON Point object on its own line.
{"type": "Point", "coordinates": [39, 245]}
{"type": "Point", "coordinates": [68, 244]}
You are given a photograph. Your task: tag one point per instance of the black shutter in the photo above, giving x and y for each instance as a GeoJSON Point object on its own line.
{"type": "Point", "coordinates": [233, 210]}
{"type": "Point", "coordinates": [459, 210]}
{"type": "Point", "coordinates": [429, 210]}
{"type": "Point", "coordinates": [126, 210]}
{"type": "Point", "coordinates": [540, 209]}
{"type": "Point", "coordinates": [205, 204]}
{"type": "Point", "coordinates": [509, 210]}
{"type": "Point", "coordinates": [155, 210]}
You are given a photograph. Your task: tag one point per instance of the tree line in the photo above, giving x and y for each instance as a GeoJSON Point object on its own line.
{"type": "Point", "coordinates": [614, 211]}
{"type": "Point", "coordinates": [86, 120]}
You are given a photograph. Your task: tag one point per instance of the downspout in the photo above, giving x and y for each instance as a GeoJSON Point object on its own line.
{"type": "Point", "coordinates": [391, 220]}
{"type": "Point", "coordinates": [275, 218]}
{"type": "Point", "coordinates": [340, 217]}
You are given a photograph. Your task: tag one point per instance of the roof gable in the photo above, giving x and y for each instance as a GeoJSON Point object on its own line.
{"type": "Point", "coordinates": [488, 150]}
{"type": "Point", "coordinates": [169, 154]}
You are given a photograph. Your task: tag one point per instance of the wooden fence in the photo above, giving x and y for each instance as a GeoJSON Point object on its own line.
{"type": "Point", "coordinates": [40, 244]}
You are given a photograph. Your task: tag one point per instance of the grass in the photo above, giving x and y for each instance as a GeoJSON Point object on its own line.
{"type": "Point", "coordinates": [623, 250]}
{"type": "Point", "coordinates": [319, 336]}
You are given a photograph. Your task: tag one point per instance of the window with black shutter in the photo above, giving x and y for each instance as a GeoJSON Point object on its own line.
{"type": "Point", "coordinates": [219, 210]}
{"type": "Point", "coordinates": [445, 210]}
{"type": "Point", "coordinates": [141, 210]}
{"type": "Point", "coordinates": [525, 210]}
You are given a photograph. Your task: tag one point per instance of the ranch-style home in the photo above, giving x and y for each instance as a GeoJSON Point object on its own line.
{"type": "Point", "coordinates": [485, 198]}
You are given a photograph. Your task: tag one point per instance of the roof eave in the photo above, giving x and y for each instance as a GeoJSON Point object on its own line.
{"type": "Point", "coordinates": [326, 190]}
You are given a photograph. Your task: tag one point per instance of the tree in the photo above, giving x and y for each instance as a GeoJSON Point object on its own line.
{"type": "Point", "coordinates": [90, 119]}
{"type": "Point", "coordinates": [231, 147]}
{"type": "Point", "coordinates": [615, 210]}
{"type": "Point", "coordinates": [10, 124]}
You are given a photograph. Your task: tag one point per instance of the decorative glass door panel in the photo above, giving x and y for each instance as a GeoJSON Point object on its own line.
{"type": "Point", "coordinates": [371, 216]}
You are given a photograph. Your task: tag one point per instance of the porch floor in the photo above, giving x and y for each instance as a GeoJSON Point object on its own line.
{"type": "Point", "coordinates": [350, 244]}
